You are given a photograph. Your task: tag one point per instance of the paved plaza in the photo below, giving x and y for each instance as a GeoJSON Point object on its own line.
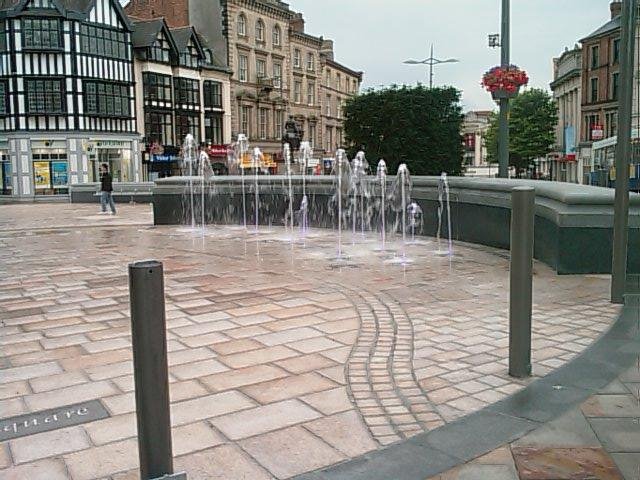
{"type": "Point", "coordinates": [282, 360]}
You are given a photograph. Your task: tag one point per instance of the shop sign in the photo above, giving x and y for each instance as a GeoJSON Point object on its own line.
{"type": "Point", "coordinates": [597, 132]}
{"type": "Point", "coordinates": [59, 174]}
{"type": "Point", "coordinates": [165, 158]}
{"type": "Point", "coordinates": [41, 174]}
{"type": "Point", "coordinates": [328, 162]}
{"type": "Point", "coordinates": [111, 144]}
{"type": "Point", "coordinates": [267, 161]}
{"type": "Point", "coordinates": [217, 150]}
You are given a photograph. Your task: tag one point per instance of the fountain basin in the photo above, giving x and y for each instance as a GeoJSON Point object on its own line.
{"type": "Point", "coordinates": [573, 226]}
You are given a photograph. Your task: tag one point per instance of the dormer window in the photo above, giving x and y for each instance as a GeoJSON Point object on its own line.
{"type": "Point", "coordinates": [259, 31]}
{"type": "Point", "coordinates": [189, 57]}
{"type": "Point", "coordinates": [242, 25]}
{"type": "Point", "coordinates": [159, 51]}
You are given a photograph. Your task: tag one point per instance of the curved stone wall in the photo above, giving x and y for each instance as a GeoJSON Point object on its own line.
{"type": "Point", "coordinates": [573, 227]}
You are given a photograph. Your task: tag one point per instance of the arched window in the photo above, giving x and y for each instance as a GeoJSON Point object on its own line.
{"type": "Point", "coordinates": [277, 36]}
{"type": "Point", "coordinates": [242, 25]}
{"type": "Point", "coordinates": [260, 31]}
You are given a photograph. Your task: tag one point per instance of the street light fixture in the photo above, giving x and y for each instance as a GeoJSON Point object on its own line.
{"type": "Point", "coordinates": [431, 61]}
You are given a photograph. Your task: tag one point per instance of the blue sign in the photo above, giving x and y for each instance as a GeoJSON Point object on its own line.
{"type": "Point", "coordinates": [59, 174]}
{"type": "Point", "coordinates": [164, 158]}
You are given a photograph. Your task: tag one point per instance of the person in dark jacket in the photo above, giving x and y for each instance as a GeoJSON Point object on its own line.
{"type": "Point", "coordinates": [106, 189]}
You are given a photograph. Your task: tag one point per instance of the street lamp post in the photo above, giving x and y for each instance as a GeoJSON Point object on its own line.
{"type": "Point", "coordinates": [623, 152]}
{"type": "Point", "coordinates": [431, 61]}
{"type": "Point", "coordinates": [503, 133]}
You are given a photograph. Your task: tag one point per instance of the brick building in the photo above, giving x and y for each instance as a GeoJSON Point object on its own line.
{"type": "Point", "coordinates": [277, 67]}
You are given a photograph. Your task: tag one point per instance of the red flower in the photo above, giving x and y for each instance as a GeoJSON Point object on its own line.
{"type": "Point", "coordinates": [508, 79]}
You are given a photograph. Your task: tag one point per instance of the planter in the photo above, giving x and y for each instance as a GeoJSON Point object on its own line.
{"type": "Point", "coordinates": [503, 94]}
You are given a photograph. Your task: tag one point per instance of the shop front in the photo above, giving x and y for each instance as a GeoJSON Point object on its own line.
{"type": "Point", "coordinates": [117, 154]}
{"type": "Point", "coordinates": [161, 161]}
{"type": "Point", "coordinates": [50, 167]}
{"type": "Point", "coordinates": [219, 157]}
{"type": "Point", "coordinates": [6, 171]}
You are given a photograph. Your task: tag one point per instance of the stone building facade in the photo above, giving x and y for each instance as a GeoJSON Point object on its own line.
{"type": "Point", "coordinates": [564, 163]}
{"type": "Point", "coordinates": [279, 70]}
{"type": "Point", "coordinates": [338, 84]}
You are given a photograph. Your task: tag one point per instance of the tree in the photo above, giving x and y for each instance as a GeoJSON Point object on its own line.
{"type": "Point", "coordinates": [418, 126]}
{"type": "Point", "coordinates": [532, 120]}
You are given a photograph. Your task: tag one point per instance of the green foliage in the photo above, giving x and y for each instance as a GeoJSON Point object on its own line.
{"type": "Point", "coordinates": [532, 120]}
{"type": "Point", "coordinates": [413, 125]}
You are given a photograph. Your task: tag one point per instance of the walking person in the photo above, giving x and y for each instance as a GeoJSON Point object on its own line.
{"type": "Point", "coordinates": [106, 189]}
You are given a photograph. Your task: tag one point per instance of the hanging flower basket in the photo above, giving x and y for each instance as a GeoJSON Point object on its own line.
{"type": "Point", "coordinates": [500, 94]}
{"type": "Point", "coordinates": [504, 82]}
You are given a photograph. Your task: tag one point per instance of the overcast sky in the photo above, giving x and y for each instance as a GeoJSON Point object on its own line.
{"type": "Point", "coordinates": [376, 36]}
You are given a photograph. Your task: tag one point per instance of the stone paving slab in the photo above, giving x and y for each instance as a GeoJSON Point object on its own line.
{"type": "Point", "coordinates": [273, 352]}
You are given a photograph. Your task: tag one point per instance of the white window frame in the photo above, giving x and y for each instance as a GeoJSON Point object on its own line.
{"type": "Point", "coordinates": [260, 28]}
{"type": "Point", "coordinates": [297, 58]}
{"type": "Point", "coordinates": [242, 25]}
{"type": "Point", "coordinates": [243, 68]}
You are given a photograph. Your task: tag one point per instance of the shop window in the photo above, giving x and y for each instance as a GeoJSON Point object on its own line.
{"type": "Point", "coordinates": [50, 172]}
{"type": "Point", "coordinates": [45, 96]}
{"type": "Point", "coordinates": [106, 99]}
{"type": "Point", "coordinates": [213, 129]}
{"type": "Point", "coordinates": [6, 184]}
{"type": "Point", "coordinates": [118, 161]}
{"type": "Point", "coordinates": [187, 91]}
{"type": "Point", "coordinates": [156, 87]}
{"type": "Point", "coordinates": [103, 42]}
{"type": "Point", "coordinates": [212, 94]}
{"type": "Point", "coordinates": [41, 33]}
{"type": "Point", "coordinates": [158, 126]}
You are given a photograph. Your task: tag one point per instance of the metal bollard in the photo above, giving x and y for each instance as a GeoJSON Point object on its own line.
{"type": "Point", "coordinates": [521, 275]}
{"type": "Point", "coordinates": [148, 329]}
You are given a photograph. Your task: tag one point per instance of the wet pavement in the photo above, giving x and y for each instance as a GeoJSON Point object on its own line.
{"type": "Point", "coordinates": [281, 359]}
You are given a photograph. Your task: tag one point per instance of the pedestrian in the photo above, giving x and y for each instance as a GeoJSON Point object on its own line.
{"type": "Point", "coordinates": [106, 189]}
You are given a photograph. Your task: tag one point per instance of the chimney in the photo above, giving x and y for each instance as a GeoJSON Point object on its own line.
{"type": "Point", "coordinates": [327, 49]}
{"type": "Point", "coordinates": [616, 8]}
{"type": "Point", "coordinates": [297, 23]}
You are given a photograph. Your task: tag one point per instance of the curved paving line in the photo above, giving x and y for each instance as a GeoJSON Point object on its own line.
{"type": "Point", "coordinates": [379, 371]}
{"type": "Point", "coordinates": [458, 442]}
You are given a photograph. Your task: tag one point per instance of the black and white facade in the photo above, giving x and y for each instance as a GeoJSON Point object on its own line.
{"type": "Point", "coordinates": [181, 89]}
{"type": "Point", "coordinates": [67, 95]}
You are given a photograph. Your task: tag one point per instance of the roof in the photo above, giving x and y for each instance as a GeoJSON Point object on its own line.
{"type": "Point", "coordinates": [74, 9]}
{"type": "Point", "coordinates": [182, 36]}
{"type": "Point", "coordinates": [347, 70]}
{"type": "Point", "coordinates": [145, 32]}
{"type": "Point", "coordinates": [609, 27]}
{"type": "Point", "coordinates": [218, 63]}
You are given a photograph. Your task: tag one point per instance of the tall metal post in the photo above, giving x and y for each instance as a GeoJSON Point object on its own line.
{"type": "Point", "coordinates": [623, 152]}
{"type": "Point", "coordinates": [149, 339]}
{"type": "Point", "coordinates": [503, 134]}
{"type": "Point", "coordinates": [431, 70]}
{"type": "Point", "coordinates": [521, 280]}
